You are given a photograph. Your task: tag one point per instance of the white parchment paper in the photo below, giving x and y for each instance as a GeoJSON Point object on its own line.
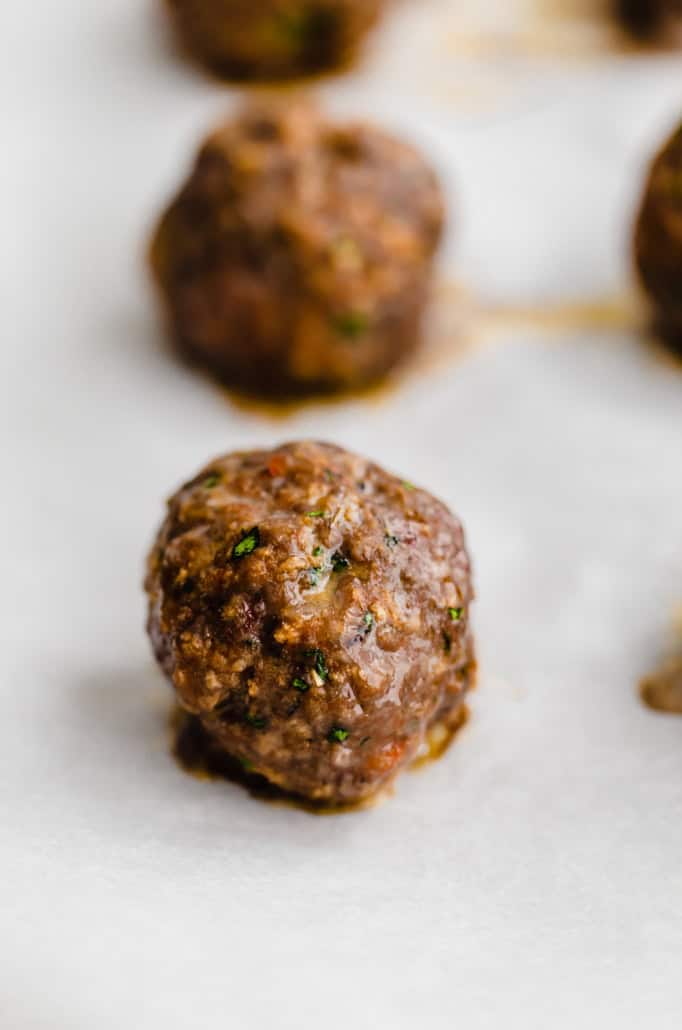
{"type": "Point", "coordinates": [533, 877]}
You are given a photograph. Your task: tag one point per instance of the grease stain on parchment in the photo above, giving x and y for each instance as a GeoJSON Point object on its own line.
{"type": "Point", "coordinates": [557, 29]}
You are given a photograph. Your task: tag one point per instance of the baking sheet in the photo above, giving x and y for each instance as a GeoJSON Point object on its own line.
{"type": "Point", "coordinates": [532, 877]}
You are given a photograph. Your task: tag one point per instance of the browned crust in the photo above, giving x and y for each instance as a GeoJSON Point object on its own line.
{"type": "Point", "coordinates": [350, 614]}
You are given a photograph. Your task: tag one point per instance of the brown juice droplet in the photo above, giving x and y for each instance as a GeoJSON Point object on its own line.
{"type": "Point", "coordinates": [662, 690]}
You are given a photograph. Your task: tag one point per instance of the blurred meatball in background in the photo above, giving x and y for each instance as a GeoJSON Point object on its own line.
{"type": "Point", "coordinates": [272, 39]}
{"type": "Point", "coordinates": [653, 19]}
{"type": "Point", "coordinates": [658, 239]}
{"type": "Point", "coordinates": [298, 257]}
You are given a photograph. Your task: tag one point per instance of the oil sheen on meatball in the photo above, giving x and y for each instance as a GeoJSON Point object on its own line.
{"type": "Point", "coordinates": [273, 39]}
{"type": "Point", "coordinates": [298, 257]}
{"type": "Point", "coordinates": [313, 611]}
{"type": "Point", "coordinates": [658, 239]}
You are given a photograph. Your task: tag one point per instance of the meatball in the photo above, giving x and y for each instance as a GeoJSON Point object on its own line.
{"type": "Point", "coordinates": [313, 611]}
{"type": "Point", "coordinates": [273, 39]}
{"type": "Point", "coordinates": [298, 257]}
{"type": "Point", "coordinates": [658, 239]}
{"type": "Point", "coordinates": [649, 19]}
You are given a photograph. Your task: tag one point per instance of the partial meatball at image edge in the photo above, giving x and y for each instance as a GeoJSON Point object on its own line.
{"type": "Point", "coordinates": [271, 40]}
{"type": "Point", "coordinates": [658, 240]}
{"type": "Point", "coordinates": [297, 260]}
{"type": "Point", "coordinates": [652, 21]}
{"type": "Point", "coordinates": [312, 614]}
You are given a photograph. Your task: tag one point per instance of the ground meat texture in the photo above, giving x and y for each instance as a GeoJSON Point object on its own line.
{"type": "Point", "coordinates": [273, 39]}
{"type": "Point", "coordinates": [313, 611]}
{"type": "Point", "coordinates": [297, 259]}
{"type": "Point", "coordinates": [658, 239]}
{"type": "Point", "coordinates": [651, 19]}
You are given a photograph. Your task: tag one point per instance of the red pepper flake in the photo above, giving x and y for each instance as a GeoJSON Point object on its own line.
{"type": "Point", "coordinates": [277, 465]}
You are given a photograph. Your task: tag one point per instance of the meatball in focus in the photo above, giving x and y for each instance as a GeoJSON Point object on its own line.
{"type": "Point", "coordinates": [658, 239]}
{"type": "Point", "coordinates": [313, 611]}
{"type": "Point", "coordinates": [298, 257]}
{"type": "Point", "coordinates": [653, 19]}
{"type": "Point", "coordinates": [273, 39]}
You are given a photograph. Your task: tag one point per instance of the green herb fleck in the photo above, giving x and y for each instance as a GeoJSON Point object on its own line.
{"type": "Point", "coordinates": [447, 643]}
{"type": "Point", "coordinates": [247, 544]}
{"type": "Point", "coordinates": [300, 29]}
{"type": "Point", "coordinates": [339, 563]}
{"type": "Point", "coordinates": [315, 574]}
{"type": "Point", "coordinates": [290, 27]}
{"type": "Point", "coordinates": [407, 485]}
{"type": "Point", "coordinates": [391, 541]}
{"type": "Point", "coordinates": [257, 721]}
{"type": "Point", "coordinates": [212, 480]}
{"type": "Point", "coordinates": [455, 613]}
{"type": "Point", "coordinates": [246, 765]}
{"type": "Point", "coordinates": [317, 513]}
{"type": "Point", "coordinates": [351, 324]}
{"type": "Point", "coordinates": [317, 551]}
{"type": "Point", "coordinates": [337, 735]}
{"type": "Point", "coordinates": [319, 663]}
{"type": "Point", "coordinates": [368, 621]}
{"type": "Point", "coordinates": [300, 684]}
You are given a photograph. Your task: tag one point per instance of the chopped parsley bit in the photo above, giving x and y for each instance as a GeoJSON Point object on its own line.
{"type": "Point", "coordinates": [299, 29]}
{"type": "Point", "coordinates": [407, 485]}
{"type": "Point", "coordinates": [317, 551]}
{"type": "Point", "coordinates": [246, 765]}
{"type": "Point", "coordinates": [315, 574]}
{"type": "Point", "coordinates": [300, 684]}
{"type": "Point", "coordinates": [292, 27]}
{"type": "Point", "coordinates": [351, 324]}
{"type": "Point", "coordinates": [368, 621]}
{"type": "Point", "coordinates": [248, 543]}
{"type": "Point", "coordinates": [447, 643]}
{"type": "Point", "coordinates": [212, 480]}
{"type": "Point", "coordinates": [318, 513]}
{"type": "Point", "coordinates": [337, 735]}
{"type": "Point", "coordinates": [455, 613]}
{"type": "Point", "coordinates": [391, 541]}
{"type": "Point", "coordinates": [257, 721]}
{"type": "Point", "coordinates": [364, 741]}
{"type": "Point", "coordinates": [339, 563]}
{"type": "Point", "coordinates": [329, 475]}
{"type": "Point", "coordinates": [319, 663]}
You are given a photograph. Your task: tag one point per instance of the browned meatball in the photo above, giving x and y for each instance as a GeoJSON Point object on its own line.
{"type": "Point", "coordinates": [298, 257]}
{"type": "Point", "coordinates": [313, 611]}
{"type": "Point", "coordinates": [653, 18]}
{"type": "Point", "coordinates": [658, 239]}
{"type": "Point", "coordinates": [272, 39]}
